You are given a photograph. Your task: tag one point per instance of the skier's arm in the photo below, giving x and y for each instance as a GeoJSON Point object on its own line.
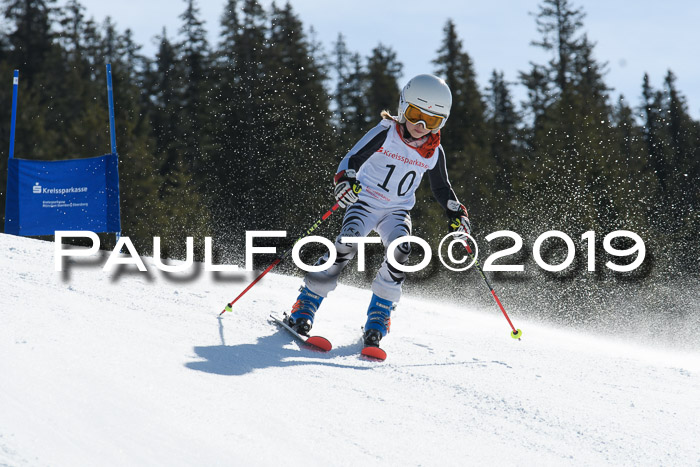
{"type": "Point", "coordinates": [445, 195]}
{"type": "Point", "coordinates": [440, 183]}
{"type": "Point", "coordinates": [368, 145]}
{"type": "Point", "coordinates": [347, 188]}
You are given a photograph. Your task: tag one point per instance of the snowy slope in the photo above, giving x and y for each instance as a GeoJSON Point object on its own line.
{"type": "Point", "coordinates": [136, 369]}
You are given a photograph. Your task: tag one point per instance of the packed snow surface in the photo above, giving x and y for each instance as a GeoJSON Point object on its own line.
{"type": "Point", "coordinates": [132, 368]}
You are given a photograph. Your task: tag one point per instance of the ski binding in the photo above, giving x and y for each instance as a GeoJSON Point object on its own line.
{"type": "Point", "coordinates": [318, 343]}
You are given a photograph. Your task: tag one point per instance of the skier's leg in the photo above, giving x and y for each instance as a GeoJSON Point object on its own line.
{"type": "Point", "coordinates": [388, 281]}
{"type": "Point", "coordinates": [387, 284]}
{"type": "Point", "coordinates": [358, 222]}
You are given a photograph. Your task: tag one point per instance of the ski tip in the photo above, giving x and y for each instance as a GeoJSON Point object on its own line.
{"type": "Point", "coordinates": [320, 343]}
{"type": "Point", "coordinates": [374, 353]}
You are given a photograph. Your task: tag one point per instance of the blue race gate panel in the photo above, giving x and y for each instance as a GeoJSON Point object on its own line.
{"type": "Point", "coordinates": [75, 194]}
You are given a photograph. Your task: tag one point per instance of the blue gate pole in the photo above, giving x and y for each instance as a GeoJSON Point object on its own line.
{"type": "Point", "coordinates": [15, 87]}
{"type": "Point", "coordinates": [112, 132]}
{"type": "Point", "coordinates": [110, 99]}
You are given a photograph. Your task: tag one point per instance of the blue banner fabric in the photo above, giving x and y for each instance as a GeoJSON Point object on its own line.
{"type": "Point", "coordinates": [74, 194]}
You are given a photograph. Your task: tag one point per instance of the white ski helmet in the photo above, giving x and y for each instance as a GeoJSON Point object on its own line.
{"type": "Point", "coordinates": [428, 93]}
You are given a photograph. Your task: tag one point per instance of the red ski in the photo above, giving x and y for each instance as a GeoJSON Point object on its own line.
{"type": "Point", "coordinates": [317, 343]}
{"type": "Point", "coordinates": [374, 353]}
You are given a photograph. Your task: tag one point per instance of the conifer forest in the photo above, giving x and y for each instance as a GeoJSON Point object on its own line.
{"type": "Point", "coordinates": [246, 134]}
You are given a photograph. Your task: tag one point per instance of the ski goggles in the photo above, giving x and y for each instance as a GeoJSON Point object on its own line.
{"type": "Point", "coordinates": [415, 115]}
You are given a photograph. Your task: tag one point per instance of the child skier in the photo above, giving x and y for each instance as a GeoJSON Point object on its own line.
{"type": "Point", "coordinates": [376, 183]}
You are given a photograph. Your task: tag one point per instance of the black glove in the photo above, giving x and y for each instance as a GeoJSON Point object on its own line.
{"type": "Point", "coordinates": [347, 188]}
{"type": "Point", "coordinates": [459, 220]}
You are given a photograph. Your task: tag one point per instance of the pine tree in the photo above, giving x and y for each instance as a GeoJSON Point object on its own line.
{"type": "Point", "coordinates": [575, 168]}
{"type": "Point", "coordinates": [227, 160]}
{"type": "Point", "coordinates": [503, 122]}
{"type": "Point", "coordinates": [31, 39]}
{"type": "Point", "coordinates": [672, 140]}
{"type": "Point", "coordinates": [299, 119]}
{"type": "Point", "coordinates": [383, 73]}
{"type": "Point", "coordinates": [32, 50]}
{"type": "Point", "coordinates": [353, 116]}
{"type": "Point", "coordinates": [81, 116]}
{"type": "Point", "coordinates": [245, 132]}
{"type": "Point", "coordinates": [164, 83]}
{"type": "Point", "coordinates": [587, 80]}
{"type": "Point", "coordinates": [464, 135]}
{"type": "Point", "coordinates": [238, 126]}
{"type": "Point", "coordinates": [558, 23]}
{"type": "Point", "coordinates": [359, 115]}
{"type": "Point", "coordinates": [465, 129]}
{"type": "Point", "coordinates": [681, 133]}
{"type": "Point", "coordinates": [684, 151]}
{"type": "Point", "coordinates": [72, 29]}
{"type": "Point", "coordinates": [92, 47]}
{"type": "Point", "coordinates": [539, 99]}
{"type": "Point", "coordinates": [630, 137]}
{"type": "Point", "coordinates": [635, 178]}
{"type": "Point", "coordinates": [342, 95]}
{"type": "Point", "coordinates": [653, 133]}
{"type": "Point", "coordinates": [193, 55]}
